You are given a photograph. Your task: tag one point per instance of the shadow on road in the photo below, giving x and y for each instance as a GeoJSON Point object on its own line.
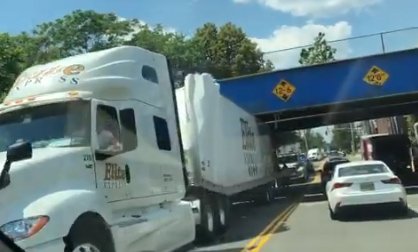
{"type": "Point", "coordinates": [379, 215]}
{"type": "Point", "coordinates": [313, 198]}
{"type": "Point", "coordinates": [223, 250]}
{"type": "Point", "coordinates": [411, 190]}
{"type": "Point", "coordinates": [247, 222]}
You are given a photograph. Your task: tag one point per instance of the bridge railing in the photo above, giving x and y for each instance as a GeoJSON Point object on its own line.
{"type": "Point", "coordinates": [359, 46]}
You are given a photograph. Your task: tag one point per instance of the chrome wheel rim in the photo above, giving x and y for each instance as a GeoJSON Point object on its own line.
{"type": "Point", "coordinates": [86, 247]}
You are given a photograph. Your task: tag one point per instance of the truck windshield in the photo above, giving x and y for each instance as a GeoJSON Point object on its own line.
{"type": "Point", "coordinates": [64, 124]}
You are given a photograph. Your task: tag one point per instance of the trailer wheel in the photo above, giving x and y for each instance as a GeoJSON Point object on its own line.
{"type": "Point", "coordinates": [222, 213]}
{"type": "Point", "coordinates": [206, 228]}
{"type": "Point", "coordinates": [266, 196]}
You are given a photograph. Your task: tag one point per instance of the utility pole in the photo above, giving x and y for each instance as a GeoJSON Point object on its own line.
{"type": "Point", "coordinates": [353, 144]}
{"type": "Point", "coordinates": [303, 132]}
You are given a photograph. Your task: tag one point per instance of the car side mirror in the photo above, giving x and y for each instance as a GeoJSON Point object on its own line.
{"type": "Point", "coordinates": [19, 151]}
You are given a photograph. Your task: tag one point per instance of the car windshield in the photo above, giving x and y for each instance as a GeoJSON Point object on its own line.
{"type": "Point", "coordinates": [359, 170]}
{"type": "Point", "coordinates": [53, 125]}
{"type": "Point", "coordinates": [288, 159]}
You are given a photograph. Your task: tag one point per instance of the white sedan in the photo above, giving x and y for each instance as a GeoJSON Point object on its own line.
{"type": "Point", "coordinates": [364, 183]}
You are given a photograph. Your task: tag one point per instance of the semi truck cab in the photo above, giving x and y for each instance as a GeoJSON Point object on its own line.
{"type": "Point", "coordinates": [100, 156]}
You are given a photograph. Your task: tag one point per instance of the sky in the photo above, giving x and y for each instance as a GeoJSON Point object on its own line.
{"type": "Point", "coordinates": [272, 24]}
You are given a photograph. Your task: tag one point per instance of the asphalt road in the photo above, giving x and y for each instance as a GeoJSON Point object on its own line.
{"type": "Point", "coordinates": [299, 221]}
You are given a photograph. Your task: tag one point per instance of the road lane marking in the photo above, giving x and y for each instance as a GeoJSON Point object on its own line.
{"type": "Point", "coordinates": [317, 178]}
{"type": "Point", "coordinates": [266, 229]}
{"type": "Point", "coordinates": [253, 245]}
{"type": "Point", "coordinates": [267, 237]}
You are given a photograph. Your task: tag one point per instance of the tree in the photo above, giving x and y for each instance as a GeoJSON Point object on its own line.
{"type": "Point", "coordinates": [180, 51]}
{"type": "Point", "coordinates": [11, 60]}
{"type": "Point", "coordinates": [410, 121]}
{"type": "Point", "coordinates": [227, 51]}
{"type": "Point", "coordinates": [286, 137]}
{"type": "Point", "coordinates": [342, 138]}
{"type": "Point", "coordinates": [320, 52]}
{"type": "Point", "coordinates": [82, 31]}
{"type": "Point", "coordinates": [314, 139]}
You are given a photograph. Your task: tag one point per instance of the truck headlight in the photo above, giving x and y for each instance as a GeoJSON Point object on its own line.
{"type": "Point", "coordinates": [24, 228]}
{"type": "Point", "coordinates": [300, 169]}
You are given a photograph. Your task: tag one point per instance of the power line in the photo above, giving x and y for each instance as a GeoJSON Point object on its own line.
{"type": "Point", "coordinates": [345, 39]}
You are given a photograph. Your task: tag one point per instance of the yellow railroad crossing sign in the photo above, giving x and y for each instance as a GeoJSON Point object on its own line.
{"type": "Point", "coordinates": [284, 90]}
{"type": "Point", "coordinates": [376, 76]}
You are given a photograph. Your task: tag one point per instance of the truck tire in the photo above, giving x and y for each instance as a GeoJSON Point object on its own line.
{"type": "Point", "coordinates": [222, 213]}
{"type": "Point", "coordinates": [205, 231]}
{"type": "Point", "coordinates": [266, 196]}
{"type": "Point", "coordinates": [89, 234]}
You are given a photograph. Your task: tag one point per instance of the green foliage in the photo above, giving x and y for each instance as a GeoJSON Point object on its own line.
{"type": "Point", "coordinates": [82, 31]}
{"type": "Point", "coordinates": [410, 121]}
{"type": "Point", "coordinates": [314, 139]}
{"type": "Point", "coordinates": [286, 137]}
{"type": "Point", "coordinates": [320, 52]}
{"type": "Point", "coordinates": [11, 61]}
{"type": "Point", "coordinates": [181, 52]}
{"type": "Point", "coordinates": [342, 137]}
{"type": "Point", "coordinates": [227, 51]}
{"type": "Point", "coordinates": [224, 52]}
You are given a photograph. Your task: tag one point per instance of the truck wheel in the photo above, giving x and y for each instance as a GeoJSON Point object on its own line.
{"type": "Point", "coordinates": [89, 235]}
{"type": "Point", "coordinates": [206, 229]}
{"type": "Point", "coordinates": [265, 197]}
{"type": "Point", "coordinates": [222, 213]}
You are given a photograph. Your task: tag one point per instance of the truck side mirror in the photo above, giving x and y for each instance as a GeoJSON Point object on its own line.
{"type": "Point", "coordinates": [105, 154]}
{"type": "Point", "coordinates": [102, 155]}
{"type": "Point", "coordinates": [16, 152]}
{"type": "Point", "coordinates": [19, 151]}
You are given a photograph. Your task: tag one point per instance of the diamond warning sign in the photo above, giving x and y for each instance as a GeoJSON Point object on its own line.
{"type": "Point", "coordinates": [376, 76]}
{"type": "Point", "coordinates": [284, 90]}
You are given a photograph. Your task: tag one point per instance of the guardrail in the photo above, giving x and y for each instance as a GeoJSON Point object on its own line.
{"type": "Point", "coordinates": [353, 47]}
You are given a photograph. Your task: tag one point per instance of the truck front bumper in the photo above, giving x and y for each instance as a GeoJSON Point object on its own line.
{"type": "Point", "coordinates": [50, 246]}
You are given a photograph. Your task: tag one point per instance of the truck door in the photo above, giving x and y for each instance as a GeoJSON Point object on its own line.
{"type": "Point", "coordinates": [111, 174]}
{"type": "Point", "coordinates": [138, 158]}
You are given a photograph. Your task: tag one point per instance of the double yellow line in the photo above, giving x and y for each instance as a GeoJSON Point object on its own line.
{"type": "Point", "coordinates": [258, 242]}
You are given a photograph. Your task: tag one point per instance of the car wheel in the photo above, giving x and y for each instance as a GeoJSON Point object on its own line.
{"type": "Point", "coordinates": [404, 211]}
{"type": "Point", "coordinates": [333, 215]}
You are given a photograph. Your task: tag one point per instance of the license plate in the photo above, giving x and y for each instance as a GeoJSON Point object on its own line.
{"type": "Point", "coordinates": [367, 186]}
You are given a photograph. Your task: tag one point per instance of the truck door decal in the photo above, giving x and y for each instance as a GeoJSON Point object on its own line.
{"type": "Point", "coordinates": [249, 147]}
{"type": "Point", "coordinates": [115, 176]}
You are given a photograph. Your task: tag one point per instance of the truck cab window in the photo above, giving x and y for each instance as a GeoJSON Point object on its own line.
{"type": "Point", "coordinates": [149, 73]}
{"type": "Point", "coordinates": [162, 134]}
{"type": "Point", "coordinates": [107, 128]}
{"type": "Point", "coordinates": [129, 137]}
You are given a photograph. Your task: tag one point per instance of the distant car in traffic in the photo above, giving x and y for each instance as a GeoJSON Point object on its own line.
{"type": "Point", "coordinates": [335, 153]}
{"type": "Point", "coordinates": [298, 167]}
{"type": "Point", "coordinates": [328, 168]}
{"type": "Point", "coordinates": [364, 183]}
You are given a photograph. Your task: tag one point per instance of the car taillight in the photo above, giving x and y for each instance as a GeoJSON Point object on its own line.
{"type": "Point", "coordinates": [341, 185]}
{"type": "Point", "coordinates": [392, 181]}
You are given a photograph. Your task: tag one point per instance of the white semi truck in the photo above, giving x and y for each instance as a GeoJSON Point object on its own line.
{"type": "Point", "coordinates": [97, 156]}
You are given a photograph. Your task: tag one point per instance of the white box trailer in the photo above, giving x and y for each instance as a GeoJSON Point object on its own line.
{"type": "Point", "coordinates": [227, 152]}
